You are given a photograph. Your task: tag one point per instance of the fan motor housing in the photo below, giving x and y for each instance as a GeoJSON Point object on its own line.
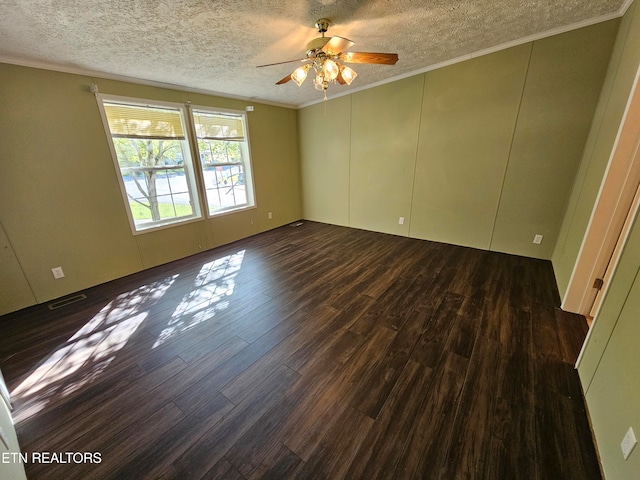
{"type": "Point", "coordinates": [316, 44]}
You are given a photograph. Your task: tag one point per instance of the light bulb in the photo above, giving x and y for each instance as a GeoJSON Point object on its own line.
{"type": "Point", "coordinates": [299, 74]}
{"type": "Point", "coordinates": [348, 74]}
{"type": "Point", "coordinates": [330, 70]}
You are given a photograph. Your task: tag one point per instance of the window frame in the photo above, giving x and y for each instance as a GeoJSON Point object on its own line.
{"type": "Point", "coordinates": [246, 163]}
{"type": "Point", "coordinates": [189, 168]}
{"type": "Point", "coordinates": [193, 167]}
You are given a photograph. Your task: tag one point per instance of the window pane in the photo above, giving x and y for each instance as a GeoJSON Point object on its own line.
{"type": "Point", "coordinates": [213, 152]}
{"type": "Point", "coordinates": [225, 186]}
{"type": "Point", "coordinates": [177, 181]}
{"type": "Point", "coordinates": [173, 206]}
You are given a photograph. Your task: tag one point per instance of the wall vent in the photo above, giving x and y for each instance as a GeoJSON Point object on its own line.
{"type": "Point", "coordinates": [66, 301]}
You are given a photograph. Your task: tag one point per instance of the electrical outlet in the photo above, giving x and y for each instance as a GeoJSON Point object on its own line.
{"type": "Point", "coordinates": [401, 220]}
{"type": "Point", "coordinates": [538, 239]}
{"type": "Point", "coordinates": [628, 443]}
{"type": "Point", "coordinates": [270, 215]}
{"type": "Point", "coordinates": [57, 273]}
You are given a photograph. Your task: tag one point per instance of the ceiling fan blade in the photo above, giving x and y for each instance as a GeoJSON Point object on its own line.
{"type": "Point", "coordinates": [284, 80]}
{"type": "Point", "coordinates": [336, 45]}
{"type": "Point", "coordinates": [280, 63]}
{"type": "Point", "coordinates": [369, 57]}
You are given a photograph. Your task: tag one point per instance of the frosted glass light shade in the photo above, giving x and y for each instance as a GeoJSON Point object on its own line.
{"type": "Point", "coordinates": [299, 74]}
{"type": "Point", "coordinates": [319, 83]}
{"type": "Point", "coordinates": [330, 69]}
{"type": "Point", "coordinates": [348, 74]}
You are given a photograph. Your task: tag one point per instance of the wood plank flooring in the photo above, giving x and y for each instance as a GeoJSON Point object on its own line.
{"type": "Point", "coordinates": [310, 352]}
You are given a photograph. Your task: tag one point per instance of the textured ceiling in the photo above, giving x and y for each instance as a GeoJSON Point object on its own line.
{"type": "Point", "coordinates": [215, 45]}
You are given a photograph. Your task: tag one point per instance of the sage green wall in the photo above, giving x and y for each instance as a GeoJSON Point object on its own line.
{"type": "Point", "coordinates": [60, 203]}
{"type": "Point", "coordinates": [468, 115]}
{"type": "Point", "coordinates": [562, 87]}
{"type": "Point", "coordinates": [384, 136]}
{"type": "Point", "coordinates": [12, 280]}
{"type": "Point", "coordinates": [482, 153]}
{"type": "Point", "coordinates": [325, 183]}
{"type": "Point", "coordinates": [610, 362]}
{"type": "Point", "coordinates": [604, 129]}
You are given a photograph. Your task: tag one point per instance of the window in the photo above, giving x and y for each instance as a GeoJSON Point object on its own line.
{"type": "Point", "coordinates": [224, 155]}
{"type": "Point", "coordinates": [153, 156]}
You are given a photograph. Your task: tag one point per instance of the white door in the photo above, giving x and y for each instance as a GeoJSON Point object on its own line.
{"type": "Point", "coordinates": [613, 206]}
{"type": "Point", "coordinates": [11, 466]}
{"type": "Point", "coordinates": [615, 255]}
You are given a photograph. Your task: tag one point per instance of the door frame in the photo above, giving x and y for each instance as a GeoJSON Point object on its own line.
{"type": "Point", "coordinates": [612, 207]}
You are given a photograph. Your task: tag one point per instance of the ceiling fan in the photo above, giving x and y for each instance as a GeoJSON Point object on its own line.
{"type": "Point", "coordinates": [324, 55]}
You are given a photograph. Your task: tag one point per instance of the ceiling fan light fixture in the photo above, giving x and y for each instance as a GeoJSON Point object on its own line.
{"type": "Point", "coordinates": [300, 74]}
{"type": "Point", "coordinates": [348, 74]}
{"type": "Point", "coordinates": [326, 56]}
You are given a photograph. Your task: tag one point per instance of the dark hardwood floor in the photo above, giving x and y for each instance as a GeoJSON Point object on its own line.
{"type": "Point", "coordinates": [308, 352]}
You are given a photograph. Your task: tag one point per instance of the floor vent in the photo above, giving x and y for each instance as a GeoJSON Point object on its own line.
{"type": "Point", "coordinates": [66, 301]}
{"type": "Point", "coordinates": [297, 224]}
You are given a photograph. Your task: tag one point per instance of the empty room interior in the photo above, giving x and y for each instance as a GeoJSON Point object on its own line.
{"type": "Point", "coordinates": [422, 263]}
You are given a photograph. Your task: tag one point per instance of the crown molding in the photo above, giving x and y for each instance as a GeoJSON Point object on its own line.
{"type": "Point", "coordinates": [532, 38]}
{"type": "Point", "coordinates": [139, 81]}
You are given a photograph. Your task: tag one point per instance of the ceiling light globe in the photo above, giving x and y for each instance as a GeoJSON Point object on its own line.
{"type": "Point", "coordinates": [348, 75]}
{"type": "Point", "coordinates": [330, 69]}
{"type": "Point", "coordinates": [319, 83]}
{"type": "Point", "coordinates": [299, 74]}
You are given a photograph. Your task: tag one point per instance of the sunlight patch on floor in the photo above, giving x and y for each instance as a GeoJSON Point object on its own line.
{"type": "Point", "coordinates": [88, 352]}
{"type": "Point", "coordinates": [213, 286]}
